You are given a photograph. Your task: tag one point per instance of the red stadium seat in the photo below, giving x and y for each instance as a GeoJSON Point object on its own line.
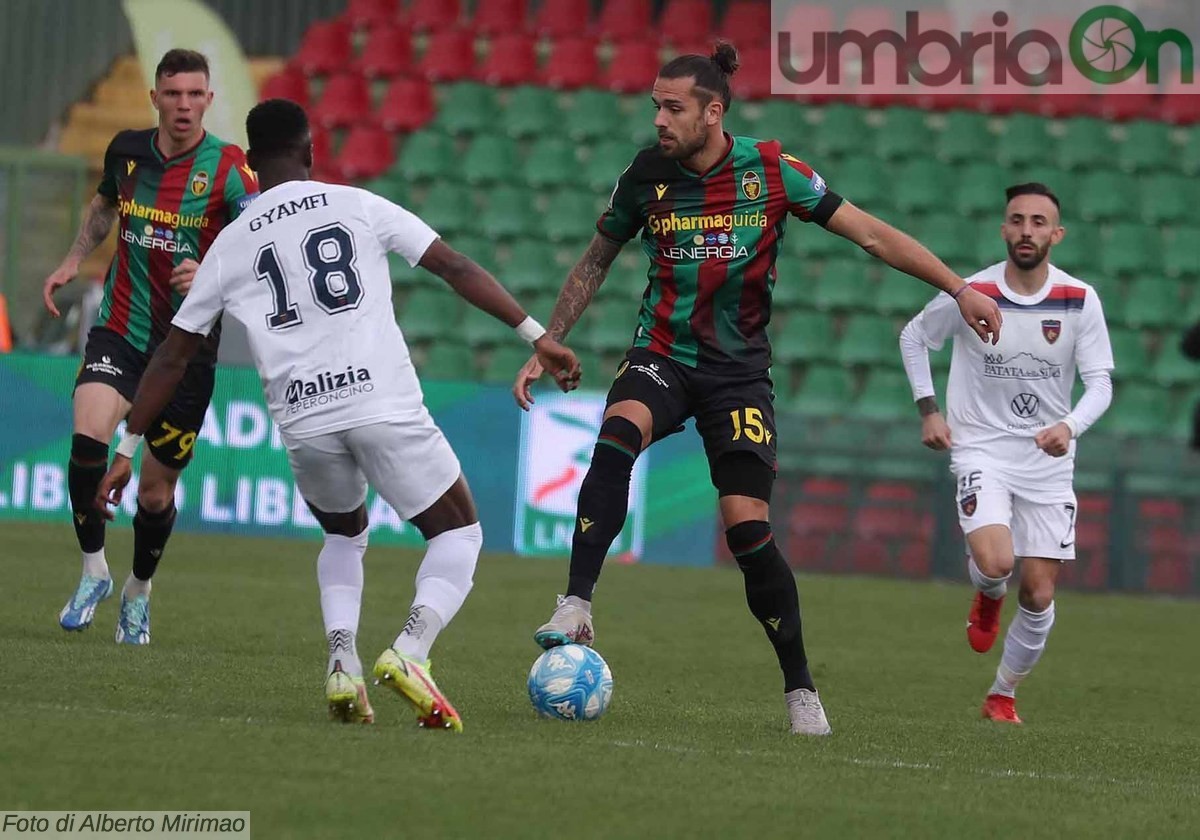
{"type": "Point", "coordinates": [407, 105]}
{"type": "Point", "coordinates": [818, 518]}
{"type": "Point", "coordinates": [367, 152]}
{"type": "Point", "coordinates": [747, 24]}
{"type": "Point", "coordinates": [322, 150]}
{"type": "Point", "coordinates": [563, 18]}
{"type": "Point", "coordinates": [511, 60]}
{"type": "Point", "coordinates": [1130, 100]}
{"type": "Point", "coordinates": [633, 67]}
{"type": "Point", "coordinates": [916, 559]}
{"type": "Point", "coordinates": [890, 522]}
{"type": "Point", "coordinates": [345, 100]}
{"type": "Point", "coordinates": [808, 553]}
{"type": "Point", "coordinates": [753, 78]}
{"type": "Point", "coordinates": [430, 15]}
{"type": "Point", "coordinates": [1180, 104]}
{"type": "Point", "coordinates": [387, 53]}
{"type": "Point", "coordinates": [496, 17]}
{"type": "Point", "coordinates": [1159, 509]}
{"type": "Point", "coordinates": [288, 83]}
{"type": "Point", "coordinates": [449, 57]}
{"type": "Point", "coordinates": [1170, 572]}
{"type": "Point", "coordinates": [893, 491]}
{"type": "Point", "coordinates": [367, 14]}
{"type": "Point", "coordinates": [325, 48]}
{"type": "Point", "coordinates": [686, 21]}
{"type": "Point", "coordinates": [1002, 99]}
{"type": "Point", "coordinates": [625, 20]}
{"type": "Point", "coordinates": [872, 557]}
{"type": "Point", "coordinates": [572, 64]}
{"type": "Point", "coordinates": [825, 488]}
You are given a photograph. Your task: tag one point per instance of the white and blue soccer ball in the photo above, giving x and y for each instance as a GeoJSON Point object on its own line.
{"type": "Point", "coordinates": [570, 682]}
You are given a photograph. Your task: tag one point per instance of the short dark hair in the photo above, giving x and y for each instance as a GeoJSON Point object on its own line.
{"type": "Point", "coordinates": [181, 61]}
{"type": "Point", "coordinates": [1031, 188]}
{"type": "Point", "coordinates": [711, 73]}
{"type": "Point", "coordinates": [276, 127]}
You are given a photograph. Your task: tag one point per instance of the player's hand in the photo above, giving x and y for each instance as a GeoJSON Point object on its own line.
{"type": "Point", "coordinates": [112, 486]}
{"type": "Point", "coordinates": [182, 276]}
{"type": "Point", "coordinates": [934, 432]}
{"type": "Point", "coordinates": [1054, 441]}
{"type": "Point", "coordinates": [981, 313]}
{"type": "Point", "coordinates": [560, 361]}
{"type": "Point", "coordinates": [62, 275]}
{"type": "Point", "coordinates": [529, 373]}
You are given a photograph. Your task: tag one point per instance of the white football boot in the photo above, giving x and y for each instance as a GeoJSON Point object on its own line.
{"type": "Point", "coordinates": [571, 624]}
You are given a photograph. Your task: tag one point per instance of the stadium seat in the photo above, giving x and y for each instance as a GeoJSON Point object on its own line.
{"type": "Point", "coordinates": [562, 18]}
{"type": "Point", "coordinates": [504, 362]}
{"type": "Point", "coordinates": [790, 291]}
{"type": "Point", "coordinates": [366, 153]}
{"type": "Point", "coordinates": [447, 208]}
{"type": "Point", "coordinates": [571, 216]}
{"type": "Point", "coordinates": [325, 48]}
{"type": "Point", "coordinates": [869, 340]}
{"type": "Point", "coordinates": [592, 115]}
{"type": "Point", "coordinates": [843, 131]}
{"type": "Point", "coordinates": [886, 396]}
{"type": "Point", "coordinates": [1085, 144]}
{"type": "Point", "coordinates": [980, 190]}
{"type": "Point", "coordinates": [530, 111]}
{"type": "Point", "coordinates": [610, 326]}
{"type": "Point", "coordinates": [753, 79]}
{"type": "Point", "coordinates": [509, 214]}
{"type": "Point", "coordinates": [965, 138]}
{"type": "Point", "coordinates": [1129, 353]}
{"type": "Point", "coordinates": [572, 63]}
{"type": "Point", "coordinates": [550, 163]}
{"type": "Point", "coordinates": [1025, 141]}
{"type": "Point", "coordinates": [498, 17]}
{"type": "Point", "coordinates": [1138, 411]}
{"type": "Point", "coordinates": [951, 237]}
{"type": "Point", "coordinates": [1001, 99]}
{"type": "Point", "coordinates": [511, 60]}
{"type": "Point", "coordinates": [345, 100]}
{"type": "Point", "coordinates": [1147, 147]}
{"type": "Point", "coordinates": [783, 120]}
{"type": "Point", "coordinates": [825, 392]}
{"type": "Point", "coordinates": [1189, 155]}
{"type": "Point", "coordinates": [390, 186]}
{"type": "Point", "coordinates": [1181, 256]}
{"type": "Point", "coordinates": [466, 108]}
{"type": "Point", "coordinates": [804, 337]}
{"type": "Point", "coordinates": [426, 156]}
{"type": "Point", "coordinates": [449, 56]}
{"type": "Point", "coordinates": [1137, 100]}
{"type": "Point", "coordinates": [842, 286]}
{"type": "Point", "coordinates": [901, 296]}
{"type": "Point", "coordinates": [1066, 185]}
{"type": "Point", "coordinates": [288, 83]}
{"type": "Point", "coordinates": [490, 160]}
{"type": "Point", "coordinates": [483, 330]}
{"type": "Point", "coordinates": [429, 314]}
{"type": "Point", "coordinates": [745, 22]}
{"type": "Point", "coordinates": [531, 268]}
{"type": "Point", "coordinates": [605, 164]}
{"type": "Point", "coordinates": [904, 134]}
{"type": "Point", "coordinates": [685, 21]}
{"type": "Point", "coordinates": [387, 53]}
{"type": "Point", "coordinates": [1131, 250]}
{"type": "Point", "coordinates": [479, 248]}
{"type": "Point", "coordinates": [430, 15]}
{"type": "Point", "coordinates": [449, 362]}
{"type": "Point", "coordinates": [1104, 196]}
{"type": "Point", "coordinates": [1167, 199]}
{"type": "Point", "coordinates": [864, 182]}
{"type": "Point", "coordinates": [367, 14]}
{"type": "Point", "coordinates": [1151, 303]}
{"type": "Point", "coordinates": [633, 67]}
{"type": "Point", "coordinates": [407, 105]}
{"type": "Point", "coordinates": [1172, 368]}
{"type": "Point", "coordinates": [1180, 105]}
{"type": "Point", "coordinates": [322, 148]}
{"type": "Point", "coordinates": [921, 186]}
{"type": "Point", "coordinates": [625, 20]}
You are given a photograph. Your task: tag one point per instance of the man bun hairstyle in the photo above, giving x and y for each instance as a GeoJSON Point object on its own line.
{"type": "Point", "coordinates": [711, 73]}
{"type": "Point", "coordinates": [181, 61]}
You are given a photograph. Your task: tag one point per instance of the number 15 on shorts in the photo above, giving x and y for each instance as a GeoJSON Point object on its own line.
{"type": "Point", "coordinates": [749, 422]}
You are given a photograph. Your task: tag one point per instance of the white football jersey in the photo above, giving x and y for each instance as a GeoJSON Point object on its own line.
{"type": "Point", "coordinates": [1000, 396]}
{"type": "Point", "coordinates": [304, 269]}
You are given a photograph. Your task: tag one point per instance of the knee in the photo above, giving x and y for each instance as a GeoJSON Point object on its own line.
{"type": "Point", "coordinates": [994, 561]}
{"type": "Point", "coordinates": [1037, 595]}
{"type": "Point", "coordinates": [156, 495]}
{"type": "Point", "coordinates": [746, 541]}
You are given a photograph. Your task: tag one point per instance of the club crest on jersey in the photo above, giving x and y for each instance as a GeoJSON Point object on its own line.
{"type": "Point", "coordinates": [968, 504]}
{"type": "Point", "coordinates": [1051, 330]}
{"type": "Point", "coordinates": [200, 183]}
{"type": "Point", "coordinates": [751, 186]}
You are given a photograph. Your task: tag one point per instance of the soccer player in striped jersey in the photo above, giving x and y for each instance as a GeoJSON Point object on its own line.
{"type": "Point", "coordinates": [170, 190]}
{"type": "Point", "coordinates": [711, 210]}
{"type": "Point", "coordinates": [1011, 430]}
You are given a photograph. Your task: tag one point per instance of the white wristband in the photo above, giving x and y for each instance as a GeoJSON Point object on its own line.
{"type": "Point", "coordinates": [1071, 424]}
{"type": "Point", "coordinates": [530, 330]}
{"type": "Point", "coordinates": [128, 446]}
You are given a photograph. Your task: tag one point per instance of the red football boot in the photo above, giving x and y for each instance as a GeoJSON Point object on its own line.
{"type": "Point", "coordinates": [1000, 708]}
{"type": "Point", "coordinates": [983, 625]}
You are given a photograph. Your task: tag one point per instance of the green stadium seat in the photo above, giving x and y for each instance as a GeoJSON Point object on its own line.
{"type": "Point", "coordinates": [479, 248]}
{"type": "Point", "coordinates": [824, 392]}
{"type": "Point", "coordinates": [572, 216]}
{"type": "Point", "coordinates": [965, 138]}
{"type": "Point", "coordinates": [1025, 142]}
{"type": "Point", "coordinates": [951, 237]}
{"type": "Point", "coordinates": [1181, 253]}
{"type": "Point", "coordinates": [404, 276]}
{"type": "Point", "coordinates": [805, 242]}
{"type": "Point", "coordinates": [1189, 155]}
{"type": "Point", "coordinates": [1168, 199]}
{"type": "Point", "coordinates": [886, 397]}
{"type": "Point", "coordinates": [1085, 144]}
{"type": "Point", "coordinates": [843, 132]}
{"type": "Point", "coordinates": [1147, 147]}
{"type": "Point", "coordinates": [989, 245]}
{"type": "Point", "coordinates": [869, 340]}
{"type": "Point", "coordinates": [426, 155]}
{"type": "Point", "coordinates": [391, 186]}
{"type": "Point", "coordinates": [1131, 250]}
{"type": "Point", "coordinates": [428, 314]}
{"type": "Point", "coordinates": [905, 134]}
{"type": "Point", "coordinates": [510, 214]}
{"type": "Point", "coordinates": [531, 268]}
{"type": "Point", "coordinates": [902, 296]}
{"type": "Point", "coordinates": [592, 115]}
{"type": "Point", "coordinates": [448, 208]}
{"type": "Point", "coordinates": [482, 330]}
{"type": "Point", "coordinates": [1079, 252]}
{"type": "Point", "coordinates": [1152, 303]}
{"type": "Point", "coordinates": [921, 186]}
{"type": "Point", "coordinates": [610, 326]}
{"type": "Point", "coordinates": [842, 286]}
{"type": "Point", "coordinates": [550, 163]}
{"type": "Point", "coordinates": [452, 362]}
{"type": "Point", "coordinates": [785, 121]}
{"type": "Point", "coordinates": [1105, 196]}
{"type": "Point", "coordinates": [504, 362]}
{"type": "Point", "coordinates": [1065, 184]}
{"type": "Point", "coordinates": [791, 291]}
{"type": "Point", "coordinates": [804, 337]}
{"type": "Point", "coordinates": [1138, 411]}
{"type": "Point", "coordinates": [1129, 354]}
{"type": "Point", "coordinates": [466, 108]}
{"type": "Point", "coordinates": [605, 164]}
{"type": "Point", "coordinates": [531, 112]}
{"type": "Point", "coordinates": [980, 190]}
{"type": "Point", "coordinates": [490, 159]}
{"type": "Point", "coordinates": [865, 182]}
{"type": "Point", "coordinates": [1172, 367]}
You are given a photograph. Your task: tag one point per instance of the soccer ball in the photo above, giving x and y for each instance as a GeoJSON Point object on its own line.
{"type": "Point", "coordinates": [570, 682]}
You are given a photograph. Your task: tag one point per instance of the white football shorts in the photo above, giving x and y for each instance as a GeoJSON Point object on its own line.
{"type": "Point", "coordinates": [986, 496]}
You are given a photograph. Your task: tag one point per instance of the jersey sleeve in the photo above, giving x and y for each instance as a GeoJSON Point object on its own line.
{"type": "Point", "coordinates": [809, 197]}
{"type": "Point", "coordinates": [937, 321]}
{"type": "Point", "coordinates": [397, 230]}
{"type": "Point", "coordinates": [241, 184]}
{"type": "Point", "coordinates": [204, 301]}
{"type": "Point", "coordinates": [622, 219]}
{"type": "Point", "coordinates": [1093, 350]}
{"type": "Point", "coordinates": [108, 178]}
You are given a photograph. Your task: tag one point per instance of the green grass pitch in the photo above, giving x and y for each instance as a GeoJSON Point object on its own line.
{"type": "Point", "coordinates": [225, 709]}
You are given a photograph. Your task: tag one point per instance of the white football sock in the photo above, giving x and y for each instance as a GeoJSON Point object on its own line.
{"type": "Point", "coordinates": [134, 587]}
{"type": "Point", "coordinates": [95, 564]}
{"type": "Point", "coordinates": [340, 576]}
{"type": "Point", "coordinates": [993, 588]}
{"type": "Point", "coordinates": [443, 581]}
{"type": "Point", "coordinates": [1023, 646]}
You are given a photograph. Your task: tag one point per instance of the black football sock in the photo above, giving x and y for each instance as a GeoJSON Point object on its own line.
{"type": "Point", "coordinates": [150, 534]}
{"type": "Point", "coordinates": [89, 461]}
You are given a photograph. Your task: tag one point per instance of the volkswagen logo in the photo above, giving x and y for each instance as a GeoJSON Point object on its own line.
{"type": "Point", "coordinates": [1025, 405]}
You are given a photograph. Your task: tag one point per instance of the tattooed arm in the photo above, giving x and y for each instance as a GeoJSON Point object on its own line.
{"type": "Point", "coordinates": [97, 222]}
{"type": "Point", "coordinates": [583, 281]}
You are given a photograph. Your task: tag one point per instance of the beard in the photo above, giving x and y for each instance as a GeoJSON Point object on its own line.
{"type": "Point", "coordinates": [1027, 261]}
{"type": "Point", "coordinates": [685, 149]}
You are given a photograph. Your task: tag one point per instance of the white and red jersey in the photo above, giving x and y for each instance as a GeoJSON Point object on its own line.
{"type": "Point", "coordinates": [304, 269]}
{"type": "Point", "coordinates": [1000, 396]}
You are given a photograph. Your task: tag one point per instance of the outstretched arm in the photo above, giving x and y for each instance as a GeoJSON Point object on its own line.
{"type": "Point", "coordinates": [97, 222]}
